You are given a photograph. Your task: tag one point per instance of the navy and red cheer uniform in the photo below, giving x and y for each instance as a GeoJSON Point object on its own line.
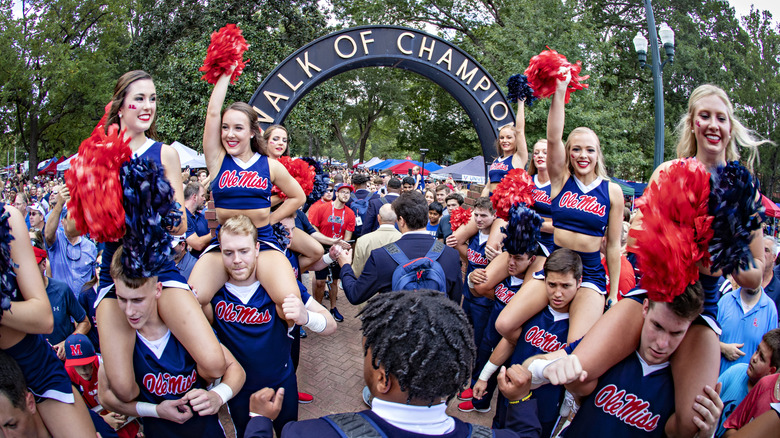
{"type": "Point", "coordinates": [477, 308]}
{"type": "Point", "coordinates": [632, 399]}
{"type": "Point", "coordinates": [499, 168]}
{"type": "Point", "coordinates": [167, 372]}
{"type": "Point", "coordinates": [169, 275]}
{"type": "Point", "coordinates": [246, 322]}
{"type": "Point", "coordinates": [543, 207]}
{"type": "Point", "coordinates": [544, 333]}
{"type": "Point", "coordinates": [504, 292]}
{"type": "Point", "coordinates": [585, 210]}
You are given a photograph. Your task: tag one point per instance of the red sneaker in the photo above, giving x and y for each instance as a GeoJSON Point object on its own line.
{"type": "Point", "coordinates": [468, 406]}
{"type": "Point", "coordinates": [304, 398]}
{"type": "Point", "coordinates": [466, 395]}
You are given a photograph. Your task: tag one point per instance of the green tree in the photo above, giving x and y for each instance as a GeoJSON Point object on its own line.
{"type": "Point", "coordinates": [55, 61]}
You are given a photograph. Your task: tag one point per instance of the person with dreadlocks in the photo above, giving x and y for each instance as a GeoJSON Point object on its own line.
{"type": "Point", "coordinates": [25, 315]}
{"type": "Point", "coordinates": [418, 353]}
{"type": "Point", "coordinates": [504, 280]}
{"type": "Point", "coordinates": [544, 333]}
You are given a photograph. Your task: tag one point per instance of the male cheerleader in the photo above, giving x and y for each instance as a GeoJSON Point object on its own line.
{"type": "Point", "coordinates": [253, 327]}
{"type": "Point", "coordinates": [544, 333]}
{"type": "Point", "coordinates": [635, 397]}
{"type": "Point", "coordinates": [477, 308]}
{"type": "Point", "coordinates": [173, 401]}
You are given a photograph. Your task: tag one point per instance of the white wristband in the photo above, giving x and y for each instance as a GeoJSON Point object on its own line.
{"type": "Point", "coordinates": [537, 372]}
{"type": "Point", "coordinates": [487, 371]}
{"type": "Point", "coordinates": [224, 392]}
{"type": "Point", "coordinates": [317, 322]}
{"type": "Point", "coordinates": [146, 409]}
{"type": "Point", "coordinates": [326, 258]}
{"type": "Point", "coordinates": [469, 282]}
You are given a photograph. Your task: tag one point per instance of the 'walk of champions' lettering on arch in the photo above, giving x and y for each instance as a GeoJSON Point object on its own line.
{"type": "Point", "coordinates": [418, 45]}
{"type": "Point", "coordinates": [162, 384]}
{"type": "Point", "coordinates": [588, 204]}
{"type": "Point", "coordinates": [628, 408]}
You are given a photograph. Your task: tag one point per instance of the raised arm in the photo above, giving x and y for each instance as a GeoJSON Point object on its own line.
{"type": "Point", "coordinates": [556, 152]}
{"type": "Point", "coordinates": [212, 132]}
{"type": "Point", "coordinates": [50, 230]}
{"type": "Point", "coordinates": [33, 315]}
{"type": "Point", "coordinates": [520, 140]}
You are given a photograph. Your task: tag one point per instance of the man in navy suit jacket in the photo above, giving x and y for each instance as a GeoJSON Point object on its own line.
{"type": "Point", "coordinates": [412, 212]}
{"type": "Point", "coordinates": [393, 190]}
{"type": "Point", "coordinates": [410, 380]}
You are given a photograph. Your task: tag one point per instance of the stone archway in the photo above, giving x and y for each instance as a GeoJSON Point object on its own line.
{"type": "Point", "coordinates": [387, 46]}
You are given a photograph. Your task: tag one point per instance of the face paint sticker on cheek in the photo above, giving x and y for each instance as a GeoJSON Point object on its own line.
{"type": "Point", "coordinates": [698, 124]}
{"type": "Point", "coordinates": [131, 106]}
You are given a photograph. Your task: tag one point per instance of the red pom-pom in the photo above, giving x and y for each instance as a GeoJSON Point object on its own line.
{"type": "Point", "coordinates": [302, 171]}
{"type": "Point", "coordinates": [516, 187]}
{"type": "Point", "coordinates": [93, 181]}
{"type": "Point", "coordinates": [676, 230]}
{"type": "Point", "coordinates": [225, 51]}
{"type": "Point", "coordinates": [459, 216]}
{"type": "Point", "coordinates": [544, 70]}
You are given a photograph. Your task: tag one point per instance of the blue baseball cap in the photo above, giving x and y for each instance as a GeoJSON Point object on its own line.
{"type": "Point", "coordinates": [79, 351]}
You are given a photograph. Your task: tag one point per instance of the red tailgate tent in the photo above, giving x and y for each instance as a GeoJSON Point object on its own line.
{"type": "Point", "coordinates": [403, 168]}
{"type": "Point", "coordinates": [51, 168]}
{"type": "Point", "coordinates": [771, 208]}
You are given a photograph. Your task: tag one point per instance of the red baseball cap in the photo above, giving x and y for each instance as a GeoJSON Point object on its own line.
{"type": "Point", "coordinates": [40, 254]}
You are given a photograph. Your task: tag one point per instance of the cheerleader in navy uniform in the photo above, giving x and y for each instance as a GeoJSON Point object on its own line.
{"type": "Point", "coordinates": [498, 283]}
{"type": "Point", "coordinates": [709, 137]}
{"type": "Point", "coordinates": [585, 207]}
{"type": "Point", "coordinates": [243, 179]}
{"type": "Point", "coordinates": [544, 333]}
{"type": "Point", "coordinates": [134, 109]}
{"type": "Point", "coordinates": [174, 400]}
{"type": "Point", "coordinates": [513, 151]}
{"type": "Point", "coordinates": [309, 248]}
{"type": "Point", "coordinates": [537, 167]}
{"type": "Point", "coordinates": [247, 320]}
{"type": "Point", "coordinates": [25, 314]}
{"type": "Point", "coordinates": [635, 397]}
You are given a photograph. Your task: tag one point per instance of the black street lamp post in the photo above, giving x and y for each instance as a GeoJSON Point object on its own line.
{"type": "Point", "coordinates": [640, 44]}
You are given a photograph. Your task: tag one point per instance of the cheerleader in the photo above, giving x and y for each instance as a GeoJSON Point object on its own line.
{"type": "Point", "coordinates": [134, 109]}
{"type": "Point", "coordinates": [710, 133]}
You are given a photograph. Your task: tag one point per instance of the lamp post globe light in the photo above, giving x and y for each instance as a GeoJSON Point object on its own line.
{"type": "Point", "coordinates": [640, 45]}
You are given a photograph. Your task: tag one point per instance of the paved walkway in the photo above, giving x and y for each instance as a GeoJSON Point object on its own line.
{"type": "Point", "coordinates": [331, 369]}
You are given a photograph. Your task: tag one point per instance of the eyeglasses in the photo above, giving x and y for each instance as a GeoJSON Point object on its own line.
{"type": "Point", "coordinates": [73, 252]}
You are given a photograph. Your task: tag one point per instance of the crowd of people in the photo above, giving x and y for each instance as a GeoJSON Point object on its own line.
{"type": "Point", "coordinates": [544, 300]}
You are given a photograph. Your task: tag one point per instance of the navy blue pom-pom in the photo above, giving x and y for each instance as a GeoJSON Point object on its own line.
{"type": "Point", "coordinates": [282, 235]}
{"type": "Point", "coordinates": [523, 230]}
{"type": "Point", "coordinates": [321, 184]}
{"type": "Point", "coordinates": [7, 277]}
{"type": "Point", "coordinates": [737, 213]}
{"type": "Point", "coordinates": [519, 89]}
{"type": "Point", "coordinates": [315, 164]}
{"type": "Point", "coordinates": [150, 210]}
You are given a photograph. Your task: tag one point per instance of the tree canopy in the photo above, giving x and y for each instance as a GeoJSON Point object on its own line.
{"type": "Point", "coordinates": [60, 59]}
